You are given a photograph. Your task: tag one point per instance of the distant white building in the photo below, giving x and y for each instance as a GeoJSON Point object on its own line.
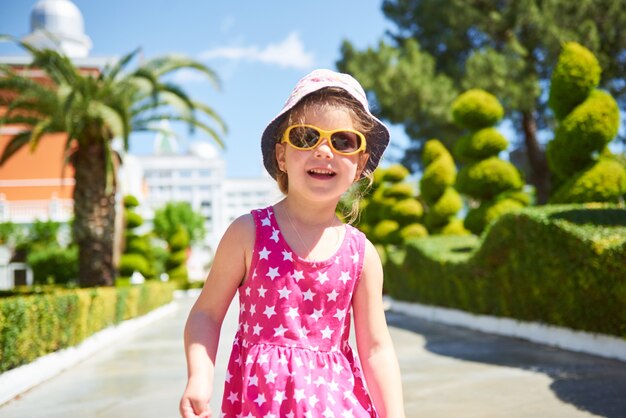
{"type": "Point", "coordinates": [197, 177]}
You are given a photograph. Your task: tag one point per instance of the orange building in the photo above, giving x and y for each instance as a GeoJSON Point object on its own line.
{"type": "Point", "coordinates": [35, 184]}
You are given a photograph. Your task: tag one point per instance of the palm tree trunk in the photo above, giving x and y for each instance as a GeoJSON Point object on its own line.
{"type": "Point", "coordinates": [539, 173]}
{"type": "Point", "coordinates": [94, 216]}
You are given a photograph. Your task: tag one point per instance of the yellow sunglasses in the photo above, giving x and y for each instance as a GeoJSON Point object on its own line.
{"type": "Point", "coordinates": [308, 137]}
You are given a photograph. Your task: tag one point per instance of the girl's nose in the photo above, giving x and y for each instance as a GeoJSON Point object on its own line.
{"type": "Point", "coordinates": [323, 149]}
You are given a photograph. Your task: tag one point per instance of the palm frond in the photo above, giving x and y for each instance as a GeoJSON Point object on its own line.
{"type": "Point", "coordinates": [169, 63]}
{"type": "Point", "coordinates": [148, 124]}
{"type": "Point", "coordinates": [112, 72]}
{"type": "Point", "coordinates": [14, 145]}
{"type": "Point", "coordinates": [41, 128]}
{"type": "Point", "coordinates": [111, 118]}
{"type": "Point", "coordinates": [210, 112]}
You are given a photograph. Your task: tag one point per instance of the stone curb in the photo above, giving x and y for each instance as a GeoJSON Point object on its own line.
{"type": "Point", "coordinates": [565, 338]}
{"type": "Point", "coordinates": [16, 381]}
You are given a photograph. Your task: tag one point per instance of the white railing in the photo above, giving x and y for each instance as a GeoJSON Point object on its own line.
{"type": "Point", "coordinates": [28, 211]}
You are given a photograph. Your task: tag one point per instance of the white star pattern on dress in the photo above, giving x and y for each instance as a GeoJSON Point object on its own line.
{"type": "Point", "coordinates": [293, 312]}
{"type": "Point", "coordinates": [327, 332]}
{"type": "Point", "coordinates": [269, 311]}
{"type": "Point", "coordinates": [233, 397]}
{"type": "Point", "coordinates": [322, 277]}
{"type": "Point", "coordinates": [268, 375]}
{"type": "Point", "coordinates": [280, 396]}
{"type": "Point", "coordinates": [273, 273]}
{"type": "Point", "coordinates": [280, 331]}
{"type": "Point", "coordinates": [264, 254]}
{"type": "Point", "coordinates": [299, 395]}
{"type": "Point", "coordinates": [337, 368]}
{"type": "Point", "coordinates": [284, 293]}
{"type": "Point", "coordinates": [260, 400]}
{"type": "Point", "coordinates": [271, 377]}
{"type": "Point", "coordinates": [317, 314]}
{"type": "Point", "coordinates": [345, 276]}
{"type": "Point", "coordinates": [328, 413]}
{"type": "Point", "coordinates": [303, 332]}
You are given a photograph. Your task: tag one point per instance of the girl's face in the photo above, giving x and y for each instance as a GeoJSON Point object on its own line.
{"type": "Point", "coordinates": [320, 172]}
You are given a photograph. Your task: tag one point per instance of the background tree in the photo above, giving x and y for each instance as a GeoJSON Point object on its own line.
{"type": "Point", "coordinates": [175, 215]}
{"type": "Point", "coordinates": [508, 48]}
{"type": "Point", "coordinates": [493, 185]}
{"type": "Point", "coordinates": [93, 109]}
{"type": "Point", "coordinates": [436, 189]}
{"type": "Point", "coordinates": [588, 121]}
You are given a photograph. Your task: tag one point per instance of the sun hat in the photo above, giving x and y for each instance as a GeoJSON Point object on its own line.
{"type": "Point", "coordinates": [377, 140]}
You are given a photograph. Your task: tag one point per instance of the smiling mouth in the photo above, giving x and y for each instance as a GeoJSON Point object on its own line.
{"type": "Point", "coordinates": [321, 173]}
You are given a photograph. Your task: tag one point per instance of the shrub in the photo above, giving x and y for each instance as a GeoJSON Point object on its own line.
{"type": "Point", "coordinates": [476, 109]}
{"type": "Point", "coordinates": [560, 265]}
{"type": "Point", "coordinates": [386, 232]}
{"type": "Point", "coordinates": [485, 143]}
{"type": "Point", "coordinates": [604, 181]}
{"type": "Point", "coordinates": [129, 263]}
{"type": "Point", "coordinates": [575, 75]}
{"type": "Point", "coordinates": [394, 173]}
{"type": "Point", "coordinates": [407, 211]}
{"type": "Point", "coordinates": [54, 262]}
{"type": "Point", "coordinates": [487, 178]}
{"type": "Point", "coordinates": [31, 326]}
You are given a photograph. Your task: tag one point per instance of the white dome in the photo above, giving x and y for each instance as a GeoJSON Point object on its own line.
{"type": "Point", "coordinates": [203, 150]}
{"type": "Point", "coordinates": [57, 17]}
{"type": "Point", "coordinates": [58, 24]}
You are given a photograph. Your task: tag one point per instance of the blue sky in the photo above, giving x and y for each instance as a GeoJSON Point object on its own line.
{"type": "Point", "coordinates": [258, 51]}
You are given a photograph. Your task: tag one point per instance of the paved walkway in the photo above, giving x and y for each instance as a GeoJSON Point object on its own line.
{"type": "Point", "coordinates": [447, 372]}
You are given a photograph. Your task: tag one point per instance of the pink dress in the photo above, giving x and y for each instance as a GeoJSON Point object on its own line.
{"type": "Point", "coordinates": [291, 356]}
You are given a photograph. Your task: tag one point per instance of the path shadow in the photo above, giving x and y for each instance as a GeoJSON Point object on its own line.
{"type": "Point", "coordinates": [590, 383]}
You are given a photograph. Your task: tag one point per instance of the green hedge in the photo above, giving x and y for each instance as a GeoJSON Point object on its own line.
{"type": "Point", "coordinates": [561, 265]}
{"type": "Point", "coordinates": [35, 325]}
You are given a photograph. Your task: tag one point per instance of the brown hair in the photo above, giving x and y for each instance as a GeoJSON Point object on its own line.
{"type": "Point", "coordinates": [337, 98]}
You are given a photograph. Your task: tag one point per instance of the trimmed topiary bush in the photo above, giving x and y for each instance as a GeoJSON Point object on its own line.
{"type": "Point", "coordinates": [443, 202]}
{"type": "Point", "coordinates": [575, 75]}
{"type": "Point", "coordinates": [476, 109]}
{"type": "Point", "coordinates": [588, 121]}
{"type": "Point", "coordinates": [485, 176]}
{"type": "Point", "coordinates": [562, 265]}
{"type": "Point", "coordinates": [390, 206]}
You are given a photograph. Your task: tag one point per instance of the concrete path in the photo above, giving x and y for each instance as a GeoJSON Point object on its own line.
{"type": "Point", "coordinates": [447, 372]}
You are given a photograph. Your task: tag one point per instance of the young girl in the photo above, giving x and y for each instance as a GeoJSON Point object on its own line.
{"type": "Point", "coordinates": [300, 272]}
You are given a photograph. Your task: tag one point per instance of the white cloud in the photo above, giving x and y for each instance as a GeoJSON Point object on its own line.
{"type": "Point", "coordinates": [186, 75]}
{"type": "Point", "coordinates": [289, 53]}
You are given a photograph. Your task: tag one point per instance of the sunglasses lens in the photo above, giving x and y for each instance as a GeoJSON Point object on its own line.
{"type": "Point", "coordinates": [344, 141]}
{"type": "Point", "coordinates": [304, 137]}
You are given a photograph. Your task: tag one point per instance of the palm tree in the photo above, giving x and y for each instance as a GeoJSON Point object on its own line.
{"type": "Point", "coordinates": [93, 108]}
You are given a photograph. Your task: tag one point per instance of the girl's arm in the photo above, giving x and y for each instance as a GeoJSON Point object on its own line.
{"type": "Point", "coordinates": [202, 330]}
{"type": "Point", "coordinates": [378, 357]}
